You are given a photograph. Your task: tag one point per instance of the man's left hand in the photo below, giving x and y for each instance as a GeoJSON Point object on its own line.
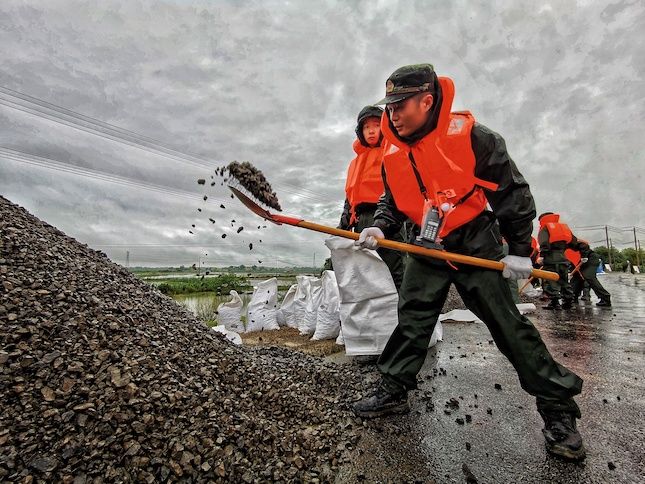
{"type": "Point", "coordinates": [516, 267]}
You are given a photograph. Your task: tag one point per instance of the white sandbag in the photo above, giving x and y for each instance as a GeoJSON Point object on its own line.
{"type": "Point", "coordinates": [232, 336]}
{"type": "Point", "coordinates": [368, 297]}
{"type": "Point", "coordinates": [307, 325]}
{"type": "Point", "coordinates": [284, 315]}
{"type": "Point", "coordinates": [526, 308]}
{"type": "Point", "coordinates": [328, 316]}
{"type": "Point", "coordinates": [300, 299]}
{"type": "Point", "coordinates": [261, 313]}
{"type": "Point", "coordinates": [437, 334]}
{"type": "Point", "coordinates": [460, 315]}
{"type": "Point", "coordinates": [340, 340]}
{"type": "Point", "coordinates": [229, 313]}
{"type": "Point", "coordinates": [466, 316]}
{"type": "Point", "coordinates": [529, 290]}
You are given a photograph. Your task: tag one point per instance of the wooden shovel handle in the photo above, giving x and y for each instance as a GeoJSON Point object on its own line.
{"type": "Point", "coordinates": [418, 250]}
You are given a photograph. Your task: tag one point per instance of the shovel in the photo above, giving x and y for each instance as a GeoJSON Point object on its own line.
{"type": "Point", "coordinates": [388, 244]}
{"type": "Point", "coordinates": [527, 283]}
{"type": "Point", "coordinates": [575, 269]}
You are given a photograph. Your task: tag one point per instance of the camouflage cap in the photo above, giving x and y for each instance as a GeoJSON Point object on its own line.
{"type": "Point", "coordinates": [407, 81]}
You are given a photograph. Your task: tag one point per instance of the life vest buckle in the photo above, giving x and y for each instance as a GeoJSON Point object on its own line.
{"type": "Point", "coordinates": [449, 193]}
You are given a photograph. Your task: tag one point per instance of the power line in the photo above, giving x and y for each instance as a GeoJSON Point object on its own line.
{"type": "Point", "coordinates": [24, 157]}
{"type": "Point", "coordinates": [97, 132]}
{"type": "Point", "coordinates": [38, 107]}
{"type": "Point", "coordinates": [96, 122]}
{"type": "Point", "coordinates": [28, 158]}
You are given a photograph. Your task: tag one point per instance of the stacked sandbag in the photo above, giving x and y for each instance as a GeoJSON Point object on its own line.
{"type": "Point", "coordinates": [300, 299]}
{"type": "Point", "coordinates": [261, 313]}
{"type": "Point", "coordinates": [285, 314]}
{"type": "Point", "coordinates": [307, 325]}
{"type": "Point", "coordinates": [328, 315]}
{"type": "Point", "coordinates": [229, 313]}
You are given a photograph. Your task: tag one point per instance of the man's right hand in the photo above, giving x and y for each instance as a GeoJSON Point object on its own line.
{"type": "Point", "coordinates": [368, 238]}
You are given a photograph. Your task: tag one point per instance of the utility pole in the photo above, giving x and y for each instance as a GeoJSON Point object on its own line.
{"type": "Point", "coordinates": [127, 257]}
{"type": "Point", "coordinates": [608, 245]}
{"type": "Point", "coordinates": [314, 266]}
{"type": "Point", "coordinates": [203, 255]}
{"type": "Point", "coordinates": [638, 258]}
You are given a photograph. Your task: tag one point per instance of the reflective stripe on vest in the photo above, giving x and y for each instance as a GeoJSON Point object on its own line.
{"type": "Point", "coordinates": [446, 165]}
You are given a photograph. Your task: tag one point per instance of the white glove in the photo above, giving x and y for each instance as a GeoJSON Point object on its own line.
{"type": "Point", "coordinates": [516, 267]}
{"type": "Point", "coordinates": [367, 239]}
{"type": "Point", "coordinates": [584, 260]}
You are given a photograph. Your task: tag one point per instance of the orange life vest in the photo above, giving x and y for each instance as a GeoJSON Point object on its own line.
{"type": "Point", "coordinates": [535, 248]}
{"type": "Point", "coordinates": [572, 256]}
{"type": "Point", "coordinates": [364, 179]}
{"type": "Point", "coordinates": [558, 232]}
{"type": "Point", "coordinates": [446, 164]}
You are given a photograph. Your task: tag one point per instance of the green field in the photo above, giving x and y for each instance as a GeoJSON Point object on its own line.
{"type": "Point", "coordinates": [187, 285]}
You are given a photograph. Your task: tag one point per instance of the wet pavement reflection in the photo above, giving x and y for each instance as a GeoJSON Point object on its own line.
{"type": "Point", "coordinates": [470, 410]}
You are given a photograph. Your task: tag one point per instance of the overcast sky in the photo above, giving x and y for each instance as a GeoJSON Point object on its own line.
{"type": "Point", "coordinates": [280, 84]}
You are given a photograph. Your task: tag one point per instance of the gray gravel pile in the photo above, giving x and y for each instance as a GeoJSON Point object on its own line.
{"type": "Point", "coordinates": [453, 301]}
{"type": "Point", "coordinates": [104, 379]}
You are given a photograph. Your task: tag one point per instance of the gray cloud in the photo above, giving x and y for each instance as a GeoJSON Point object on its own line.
{"type": "Point", "coordinates": [280, 84]}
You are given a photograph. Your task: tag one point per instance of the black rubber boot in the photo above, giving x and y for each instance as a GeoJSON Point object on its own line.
{"type": "Point", "coordinates": [382, 402]}
{"type": "Point", "coordinates": [562, 436]}
{"type": "Point", "coordinates": [554, 304]}
{"type": "Point", "coordinates": [604, 303]}
{"type": "Point", "coordinates": [567, 304]}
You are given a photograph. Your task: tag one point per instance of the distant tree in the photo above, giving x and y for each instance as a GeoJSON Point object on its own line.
{"type": "Point", "coordinates": [630, 255]}
{"type": "Point", "coordinates": [618, 260]}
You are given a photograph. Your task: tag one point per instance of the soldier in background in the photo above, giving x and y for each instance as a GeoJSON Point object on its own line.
{"type": "Point", "coordinates": [555, 238]}
{"type": "Point", "coordinates": [587, 275]}
{"type": "Point", "coordinates": [364, 186]}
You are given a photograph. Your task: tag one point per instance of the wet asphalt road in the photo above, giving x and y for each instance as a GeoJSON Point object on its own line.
{"type": "Point", "coordinates": [501, 441]}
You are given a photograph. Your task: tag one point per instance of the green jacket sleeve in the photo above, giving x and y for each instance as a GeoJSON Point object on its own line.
{"type": "Point", "coordinates": [346, 216]}
{"type": "Point", "coordinates": [543, 241]}
{"type": "Point", "coordinates": [512, 202]}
